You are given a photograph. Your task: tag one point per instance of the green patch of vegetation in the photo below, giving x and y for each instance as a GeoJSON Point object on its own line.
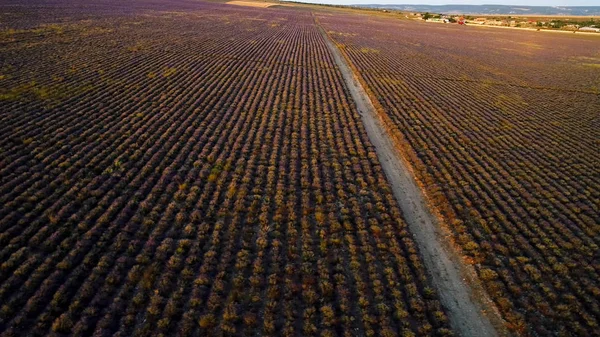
{"type": "Point", "coordinates": [51, 92]}
{"type": "Point", "coordinates": [136, 48]}
{"type": "Point", "coordinates": [560, 23]}
{"type": "Point", "coordinates": [369, 51]}
{"type": "Point", "coordinates": [12, 33]}
{"type": "Point", "coordinates": [15, 92]}
{"type": "Point", "coordinates": [168, 72]}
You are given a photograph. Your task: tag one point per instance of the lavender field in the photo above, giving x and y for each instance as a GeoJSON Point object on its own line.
{"type": "Point", "coordinates": [196, 168]}
{"type": "Point", "coordinates": [193, 169]}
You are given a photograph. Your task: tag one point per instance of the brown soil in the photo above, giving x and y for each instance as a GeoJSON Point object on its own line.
{"type": "Point", "coordinates": [250, 4]}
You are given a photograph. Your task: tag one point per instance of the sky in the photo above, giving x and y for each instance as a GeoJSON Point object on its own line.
{"type": "Point", "coordinates": [464, 2]}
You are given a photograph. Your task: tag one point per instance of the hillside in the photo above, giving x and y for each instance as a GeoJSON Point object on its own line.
{"type": "Point", "coordinates": [497, 9]}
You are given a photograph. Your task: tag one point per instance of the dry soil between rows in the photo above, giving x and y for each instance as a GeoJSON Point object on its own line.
{"type": "Point", "coordinates": [465, 310]}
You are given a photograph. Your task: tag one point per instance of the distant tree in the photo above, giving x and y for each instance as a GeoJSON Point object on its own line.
{"type": "Point", "coordinates": [426, 16]}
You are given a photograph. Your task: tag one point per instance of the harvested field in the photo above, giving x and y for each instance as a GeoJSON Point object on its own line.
{"type": "Point", "coordinates": [251, 4]}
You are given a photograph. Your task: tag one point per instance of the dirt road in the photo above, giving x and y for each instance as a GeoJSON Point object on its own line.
{"type": "Point", "coordinates": [465, 311]}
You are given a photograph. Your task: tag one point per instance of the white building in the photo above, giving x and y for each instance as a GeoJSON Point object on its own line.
{"type": "Point", "coordinates": [589, 29]}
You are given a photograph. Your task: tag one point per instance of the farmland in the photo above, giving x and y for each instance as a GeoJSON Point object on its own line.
{"type": "Point", "coordinates": [502, 129]}
{"type": "Point", "coordinates": [198, 168]}
{"type": "Point", "coordinates": [193, 170]}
